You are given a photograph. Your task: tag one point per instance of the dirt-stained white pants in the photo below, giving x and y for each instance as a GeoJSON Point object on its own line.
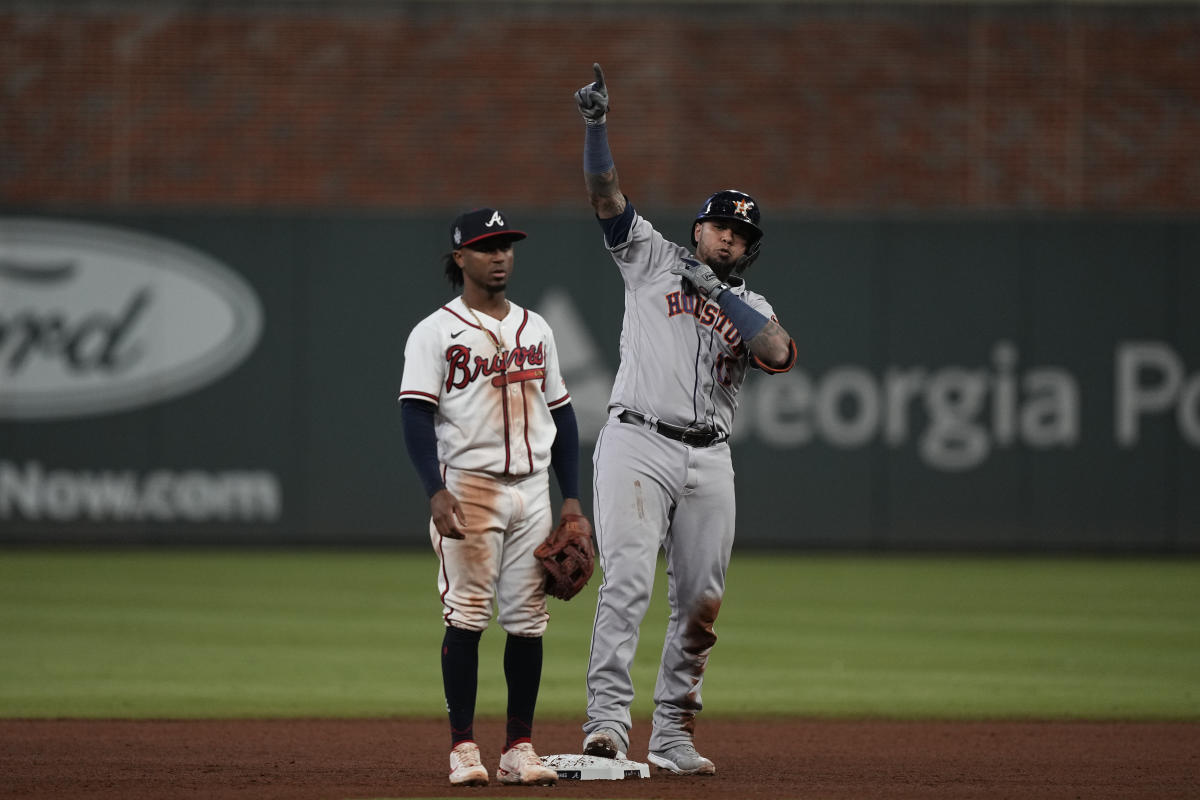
{"type": "Point", "coordinates": [507, 518]}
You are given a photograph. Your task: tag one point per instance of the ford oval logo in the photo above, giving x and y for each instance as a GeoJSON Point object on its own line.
{"type": "Point", "coordinates": [96, 319]}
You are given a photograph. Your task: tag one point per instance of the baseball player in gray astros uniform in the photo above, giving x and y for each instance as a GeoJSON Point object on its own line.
{"type": "Point", "coordinates": [663, 473]}
{"type": "Point", "coordinates": [485, 412]}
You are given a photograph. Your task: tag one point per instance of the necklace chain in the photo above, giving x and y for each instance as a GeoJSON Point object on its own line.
{"type": "Point", "coordinates": [498, 342]}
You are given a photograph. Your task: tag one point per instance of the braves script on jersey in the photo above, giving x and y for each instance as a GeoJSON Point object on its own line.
{"type": "Point", "coordinates": [681, 360]}
{"type": "Point", "coordinates": [494, 407]}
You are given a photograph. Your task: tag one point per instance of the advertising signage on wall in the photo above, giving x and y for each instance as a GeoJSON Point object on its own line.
{"type": "Point", "coordinates": [100, 319]}
{"type": "Point", "coordinates": [956, 415]}
{"type": "Point", "coordinates": [33, 492]}
{"type": "Point", "coordinates": [95, 319]}
{"type": "Point", "coordinates": [234, 378]}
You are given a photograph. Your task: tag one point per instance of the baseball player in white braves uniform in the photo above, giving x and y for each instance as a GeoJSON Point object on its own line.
{"type": "Point", "coordinates": [663, 473]}
{"type": "Point", "coordinates": [485, 412]}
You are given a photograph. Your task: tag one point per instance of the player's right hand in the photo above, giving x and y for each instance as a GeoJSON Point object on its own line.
{"type": "Point", "coordinates": [700, 277]}
{"type": "Point", "coordinates": [593, 99]}
{"type": "Point", "coordinates": [448, 516]}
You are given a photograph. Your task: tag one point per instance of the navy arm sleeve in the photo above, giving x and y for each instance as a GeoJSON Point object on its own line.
{"type": "Point", "coordinates": [564, 453]}
{"type": "Point", "coordinates": [743, 316]}
{"type": "Point", "coordinates": [616, 229]}
{"type": "Point", "coordinates": [421, 441]}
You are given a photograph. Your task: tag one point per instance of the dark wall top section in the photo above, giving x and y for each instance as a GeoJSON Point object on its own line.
{"type": "Point", "coordinates": [417, 106]}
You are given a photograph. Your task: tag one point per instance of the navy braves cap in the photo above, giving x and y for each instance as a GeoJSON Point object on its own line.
{"type": "Point", "coordinates": [482, 223]}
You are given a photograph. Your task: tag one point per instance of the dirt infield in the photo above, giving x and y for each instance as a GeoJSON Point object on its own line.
{"type": "Point", "coordinates": [776, 758]}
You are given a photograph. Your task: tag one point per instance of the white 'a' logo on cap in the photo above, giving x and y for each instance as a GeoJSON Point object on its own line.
{"type": "Point", "coordinates": [495, 220]}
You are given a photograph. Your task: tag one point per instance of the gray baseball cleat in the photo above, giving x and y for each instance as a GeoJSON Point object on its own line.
{"type": "Point", "coordinates": [605, 743]}
{"type": "Point", "coordinates": [682, 759]}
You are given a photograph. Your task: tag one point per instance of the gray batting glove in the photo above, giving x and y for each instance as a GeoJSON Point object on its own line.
{"type": "Point", "coordinates": [701, 277]}
{"type": "Point", "coordinates": [593, 99]}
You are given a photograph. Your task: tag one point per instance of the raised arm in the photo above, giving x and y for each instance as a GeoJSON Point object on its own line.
{"type": "Point", "coordinates": [599, 172]}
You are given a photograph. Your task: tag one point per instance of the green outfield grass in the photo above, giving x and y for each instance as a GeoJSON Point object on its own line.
{"type": "Point", "coordinates": [314, 633]}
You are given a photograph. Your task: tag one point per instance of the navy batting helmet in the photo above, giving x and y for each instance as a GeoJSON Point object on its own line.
{"type": "Point", "coordinates": [737, 206]}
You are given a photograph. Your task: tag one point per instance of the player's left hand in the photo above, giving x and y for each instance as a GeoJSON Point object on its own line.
{"type": "Point", "coordinates": [701, 277]}
{"type": "Point", "coordinates": [568, 556]}
{"type": "Point", "coordinates": [593, 99]}
{"type": "Point", "coordinates": [570, 506]}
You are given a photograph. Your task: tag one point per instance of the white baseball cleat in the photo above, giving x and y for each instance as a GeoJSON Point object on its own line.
{"type": "Point", "coordinates": [682, 759]}
{"type": "Point", "coordinates": [519, 764]}
{"type": "Point", "coordinates": [465, 767]}
{"type": "Point", "coordinates": [604, 743]}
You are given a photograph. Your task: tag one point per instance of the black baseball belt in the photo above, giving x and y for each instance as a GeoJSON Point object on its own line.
{"type": "Point", "coordinates": [692, 437]}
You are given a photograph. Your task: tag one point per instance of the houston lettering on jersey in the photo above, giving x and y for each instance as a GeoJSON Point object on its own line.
{"type": "Point", "coordinates": [464, 369]}
{"type": "Point", "coordinates": [706, 313]}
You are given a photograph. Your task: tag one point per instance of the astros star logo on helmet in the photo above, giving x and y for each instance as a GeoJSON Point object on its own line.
{"type": "Point", "coordinates": [742, 207]}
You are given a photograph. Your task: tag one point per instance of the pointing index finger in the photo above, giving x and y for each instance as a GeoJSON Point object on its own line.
{"type": "Point", "coordinates": [599, 84]}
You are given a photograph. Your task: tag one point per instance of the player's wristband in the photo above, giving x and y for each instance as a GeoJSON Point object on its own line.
{"type": "Point", "coordinates": [748, 321]}
{"type": "Point", "coordinates": [596, 156]}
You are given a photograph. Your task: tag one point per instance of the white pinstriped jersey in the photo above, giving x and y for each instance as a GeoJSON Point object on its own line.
{"type": "Point", "coordinates": [493, 408]}
{"type": "Point", "coordinates": [682, 361]}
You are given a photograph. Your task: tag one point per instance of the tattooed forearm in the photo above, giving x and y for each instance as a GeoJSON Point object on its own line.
{"type": "Point", "coordinates": [604, 191]}
{"type": "Point", "coordinates": [772, 345]}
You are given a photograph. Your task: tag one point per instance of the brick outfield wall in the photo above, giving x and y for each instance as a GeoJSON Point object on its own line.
{"type": "Point", "coordinates": [812, 108]}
